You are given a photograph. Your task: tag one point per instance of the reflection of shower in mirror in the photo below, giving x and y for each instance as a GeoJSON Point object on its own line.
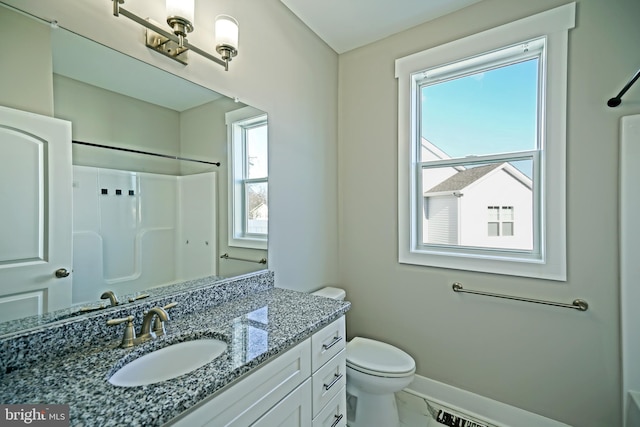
{"type": "Point", "coordinates": [126, 240]}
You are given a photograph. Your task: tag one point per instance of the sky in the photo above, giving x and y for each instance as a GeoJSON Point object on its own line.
{"type": "Point", "coordinates": [257, 148]}
{"type": "Point", "coordinates": [485, 113]}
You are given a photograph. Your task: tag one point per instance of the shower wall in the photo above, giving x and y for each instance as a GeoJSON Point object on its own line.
{"type": "Point", "coordinates": [629, 266]}
{"type": "Point", "coordinates": [134, 230]}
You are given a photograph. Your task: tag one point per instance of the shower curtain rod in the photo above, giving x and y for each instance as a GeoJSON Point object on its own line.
{"type": "Point", "coordinates": [129, 150]}
{"type": "Point", "coordinates": [616, 100]}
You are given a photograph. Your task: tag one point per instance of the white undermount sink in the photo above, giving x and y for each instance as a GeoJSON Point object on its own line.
{"type": "Point", "coordinates": [168, 362]}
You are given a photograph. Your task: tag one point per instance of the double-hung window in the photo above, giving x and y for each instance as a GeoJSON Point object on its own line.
{"type": "Point", "coordinates": [482, 137]}
{"type": "Point", "coordinates": [248, 177]}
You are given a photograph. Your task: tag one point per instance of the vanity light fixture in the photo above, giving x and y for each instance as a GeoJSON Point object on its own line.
{"type": "Point", "coordinates": [174, 43]}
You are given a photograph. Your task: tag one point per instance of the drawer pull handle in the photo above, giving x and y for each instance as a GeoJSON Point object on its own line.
{"type": "Point", "coordinates": [335, 341]}
{"type": "Point", "coordinates": [336, 378]}
{"type": "Point", "coordinates": [337, 421]}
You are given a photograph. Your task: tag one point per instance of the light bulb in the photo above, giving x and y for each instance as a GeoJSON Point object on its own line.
{"type": "Point", "coordinates": [226, 31]}
{"type": "Point", "coordinates": [182, 9]}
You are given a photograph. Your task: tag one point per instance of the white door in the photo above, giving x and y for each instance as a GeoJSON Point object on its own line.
{"type": "Point", "coordinates": [35, 214]}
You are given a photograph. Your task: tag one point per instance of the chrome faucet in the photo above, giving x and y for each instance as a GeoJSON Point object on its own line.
{"type": "Point", "coordinates": [112, 297]}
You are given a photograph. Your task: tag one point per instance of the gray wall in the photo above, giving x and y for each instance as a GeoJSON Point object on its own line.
{"type": "Point", "coordinates": [103, 117]}
{"type": "Point", "coordinates": [559, 363]}
{"type": "Point", "coordinates": [27, 79]}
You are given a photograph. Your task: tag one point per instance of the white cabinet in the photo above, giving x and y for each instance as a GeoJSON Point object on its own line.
{"type": "Point", "coordinates": [292, 411]}
{"type": "Point", "coordinates": [329, 379]}
{"type": "Point", "coordinates": [248, 399]}
{"type": "Point", "coordinates": [327, 342]}
{"type": "Point", "coordinates": [303, 387]}
{"type": "Point", "coordinates": [334, 413]}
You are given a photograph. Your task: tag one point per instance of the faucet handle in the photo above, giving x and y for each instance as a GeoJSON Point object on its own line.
{"type": "Point", "coordinates": [158, 324]}
{"type": "Point", "coordinates": [137, 297]}
{"type": "Point", "coordinates": [170, 305]}
{"type": "Point", "coordinates": [129, 332]}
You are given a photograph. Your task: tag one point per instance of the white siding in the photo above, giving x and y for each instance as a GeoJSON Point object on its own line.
{"type": "Point", "coordinates": [441, 226]}
{"type": "Point", "coordinates": [496, 189]}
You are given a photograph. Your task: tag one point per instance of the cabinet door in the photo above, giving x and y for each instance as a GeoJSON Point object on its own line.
{"type": "Point", "coordinates": [292, 411]}
{"type": "Point", "coordinates": [244, 402]}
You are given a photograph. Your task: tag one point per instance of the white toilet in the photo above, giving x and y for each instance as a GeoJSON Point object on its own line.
{"type": "Point", "coordinates": [375, 371]}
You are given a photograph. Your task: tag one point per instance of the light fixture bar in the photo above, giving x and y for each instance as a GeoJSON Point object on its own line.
{"type": "Point", "coordinates": [165, 42]}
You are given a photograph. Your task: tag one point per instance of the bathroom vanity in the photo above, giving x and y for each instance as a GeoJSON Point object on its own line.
{"type": "Point", "coordinates": [305, 386]}
{"type": "Point", "coordinates": [284, 362]}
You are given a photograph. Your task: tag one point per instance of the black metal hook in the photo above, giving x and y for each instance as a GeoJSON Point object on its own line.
{"type": "Point", "coordinates": [615, 101]}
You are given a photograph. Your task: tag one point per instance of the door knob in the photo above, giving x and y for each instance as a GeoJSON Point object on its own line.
{"type": "Point", "coordinates": [62, 272]}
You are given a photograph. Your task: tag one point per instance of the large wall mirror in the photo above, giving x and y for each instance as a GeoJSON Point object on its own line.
{"type": "Point", "coordinates": [152, 207]}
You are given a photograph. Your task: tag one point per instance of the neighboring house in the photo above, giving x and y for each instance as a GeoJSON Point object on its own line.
{"type": "Point", "coordinates": [259, 212]}
{"type": "Point", "coordinates": [258, 221]}
{"type": "Point", "coordinates": [489, 205]}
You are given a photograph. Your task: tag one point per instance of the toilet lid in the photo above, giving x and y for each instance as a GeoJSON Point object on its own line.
{"type": "Point", "coordinates": [378, 358]}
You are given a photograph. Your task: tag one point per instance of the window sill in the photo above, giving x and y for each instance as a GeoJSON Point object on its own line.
{"type": "Point", "coordinates": [248, 243]}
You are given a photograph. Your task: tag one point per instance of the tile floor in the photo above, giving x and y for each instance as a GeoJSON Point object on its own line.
{"type": "Point", "coordinates": [414, 412]}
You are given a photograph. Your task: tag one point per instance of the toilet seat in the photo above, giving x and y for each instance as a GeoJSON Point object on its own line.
{"type": "Point", "coordinates": [377, 358]}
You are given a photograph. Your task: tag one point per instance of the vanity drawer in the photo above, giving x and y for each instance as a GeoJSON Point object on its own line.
{"type": "Point", "coordinates": [327, 342]}
{"type": "Point", "coordinates": [328, 381]}
{"type": "Point", "coordinates": [335, 413]}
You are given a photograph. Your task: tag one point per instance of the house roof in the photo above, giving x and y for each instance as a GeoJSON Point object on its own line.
{"type": "Point", "coordinates": [464, 178]}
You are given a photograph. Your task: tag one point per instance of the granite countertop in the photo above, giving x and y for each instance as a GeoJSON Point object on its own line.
{"type": "Point", "coordinates": [256, 328]}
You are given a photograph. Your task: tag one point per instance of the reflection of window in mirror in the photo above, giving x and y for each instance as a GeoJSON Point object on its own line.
{"type": "Point", "coordinates": [248, 178]}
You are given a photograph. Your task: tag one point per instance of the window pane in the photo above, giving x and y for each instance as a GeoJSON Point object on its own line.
{"type": "Point", "coordinates": [257, 159]}
{"type": "Point", "coordinates": [507, 213]}
{"type": "Point", "coordinates": [257, 208]}
{"type": "Point", "coordinates": [493, 111]}
{"type": "Point", "coordinates": [464, 205]}
{"type": "Point", "coordinates": [507, 229]}
{"type": "Point", "coordinates": [493, 213]}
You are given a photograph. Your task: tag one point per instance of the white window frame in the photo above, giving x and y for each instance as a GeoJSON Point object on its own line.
{"type": "Point", "coordinates": [549, 261]}
{"type": "Point", "coordinates": [237, 121]}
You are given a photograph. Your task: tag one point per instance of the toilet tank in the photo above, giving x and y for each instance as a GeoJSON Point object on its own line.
{"type": "Point", "coordinates": [330, 292]}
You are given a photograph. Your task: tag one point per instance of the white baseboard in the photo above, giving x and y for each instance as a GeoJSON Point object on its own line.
{"type": "Point", "coordinates": [483, 408]}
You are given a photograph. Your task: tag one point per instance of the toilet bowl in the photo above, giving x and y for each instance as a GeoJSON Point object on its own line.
{"type": "Point", "coordinates": [375, 372]}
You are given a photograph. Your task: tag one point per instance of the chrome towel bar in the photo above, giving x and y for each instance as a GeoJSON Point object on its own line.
{"type": "Point", "coordinates": [260, 261]}
{"type": "Point", "coordinates": [578, 304]}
